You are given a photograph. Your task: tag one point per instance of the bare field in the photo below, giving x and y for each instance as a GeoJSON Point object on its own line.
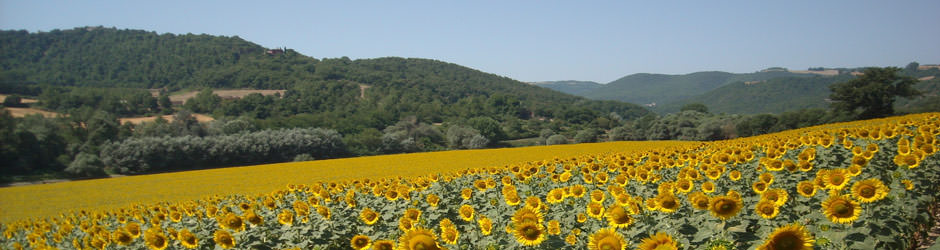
{"type": "Point", "coordinates": [224, 93]}
{"type": "Point", "coordinates": [169, 118]}
{"type": "Point", "coordinates": [21, 112]}
{"type": "Point", "coordinates": [24, 100]}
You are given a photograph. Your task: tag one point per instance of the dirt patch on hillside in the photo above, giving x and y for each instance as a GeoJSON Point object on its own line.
{"type": "Point", "coordinates": [169, 118]}
{"type": "Point", "coordinates": [22, 100]}
{"type": "Point", "coordinates": [21, 112]}
{"type": "Point", "coordinates": [926, 78]}
{"type": "Point", "coordinates": [225, 94]}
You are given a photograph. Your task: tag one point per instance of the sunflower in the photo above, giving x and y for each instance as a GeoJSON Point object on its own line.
{"type": "Point", "coordinates": [806, 189]}
{"type": "Point", "coordinates": [734, 175]}
{"type": "Point", "coordinates": [187, 239]}
{"type": "Point", "coordinates": [577, 191]}
{"type": "Point", "coordinates": [841, 209]}
{"type": "Point", "coordinates": [480, 185]}
{"type": "Point", "coordinates": [527, 214]}
{"type": "Point", "coordinates": [870, 190]}
{"type": "Point", "coordinates": [253, 217]}
{"type": "Point", "coordinates": [533, 202]}
{"type": "Point", "coordinates": [793, 236]}
{"type": "Point", "coordinates": [324, 211]}
{"type": "Point", "coordinates": [699, 200]}
{"type": "Point", "coordinates": [713, 174]}
{"type": "Point", "coordinates": [405, 224]}
{"type": "Point", "coordinates": [512, 199]}
{"type": "Point", "coordinates": [383, 245]}
{"type": "Point", "coordinates": [286, 217]}
{"type": "Point", "coordinates": [232, 222]}
{"type": "Point", "coordinates": [529, 233]}
{"type": "Point", "coordinates": [597, 196]}
{"type": "Point", "coordinates": [368, 216]}
{"type": "Point", "coordinates": [773, 165]}
{"type": "Point", "coordinates": [659, 241]}
{"type": "Point", "coordinates": [667, 203]}
{"type": "Point", "coordinates": [595, 209]}
{"type": "Point", "coordinates": [433, 200]}
{"type": "Point", "coordinates": [776, 195]}
{"type": "Point", "coordinates": [908, 160]}
{"type": "Point", "coordinates": [121, 237]}
{"type": "Point", "coordinates": [571, 239]}
{"type": "Point", "coordinates": [708, 187]}
{"type": "Point", "coordinates": [554, 227]}
{"type": "Point", "coordinates": [155, 239]}
{"type": "Point", "coordinates": [450, 235]}
{"type": "Point", "coordinates": [759, 187]}
{"type": "Point", "coordinates": [418, 238]}
{"type": "Point", "coordinates": [766, 178]}
{"type": "Point", "coordinates": [908, 185]}
{"type": "Point", "coordinates": [486, 225]}
{"type": "Point", "coordinates": [766, 209]}
{"type": "Point", "coordinates": [360, 242]}
{"type": "Point", "coordinates": [466, 212]}
{"type": "Point", "coordinates": [133, 228]}
{"type": "Point", "coordinates": [725, 207]}
{"type": "Point", "coordinates": [836, 179]}
{"type": "Point", "coordinates": [581, 217]}
{"type": "Point", "coordinates": [606, 239]}
{"type": "Point", "coordinates": [466, 193]}
{"type": "Point", "coordinates": [555, 196]}
{"type": "Point", "coordinates": [684, 185]}
{"type": "Point", "coordinates": [618, 217]}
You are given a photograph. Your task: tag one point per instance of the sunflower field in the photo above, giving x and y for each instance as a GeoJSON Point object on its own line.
{"type": "Point", "coordinates": [858, 185]}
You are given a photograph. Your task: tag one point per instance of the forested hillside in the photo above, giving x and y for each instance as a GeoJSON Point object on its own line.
{"type": "Point", "coordinates": [775, 95]}
{"type": "Point", "coordinates": [95, 75]}
{"type": "Point", "coordinates": [659, 88]}
{"type": "Point", "coordinates": [570, 87]}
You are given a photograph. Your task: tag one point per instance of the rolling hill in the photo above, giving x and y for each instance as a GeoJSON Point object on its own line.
{"type": "Point", "coordinates": [570, 86]}
{"type": "Point", "coordinates": [768, 96]}
{"type": "Point", "coordinates": [114, 58]}
{"type": "Point", "coordinates": [660, 88]}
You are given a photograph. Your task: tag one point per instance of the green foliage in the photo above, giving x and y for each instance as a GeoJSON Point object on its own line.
{"type": "Point", "coordinates": [488, 128]}
{"type": "Point", "coordinates": [662, 89]}
{"type": "Point", "coordinates": [86, 165]}
{"type": "Point", "coordinates": [13, 101]}
{"type": "Point", "coordinates": [586, 135]}
{"type": "Point", "coordinates": [698, 107]}
{"type": "Point", "coordinates": [156, 154]}
{"type": "Point", "coordinates": [459, 137]}
{"type": "Point", "coordinates": [570, 87]}
{"type": "Point", "coordinates": [872, 95]}
{"type": "Point", "coordinates": [768, 96]}
{"type": "Point", "coordinates": [556, 139]}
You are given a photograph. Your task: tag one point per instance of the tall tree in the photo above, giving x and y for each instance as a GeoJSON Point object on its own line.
{"type": "Point", "coordinates": [872, 94]}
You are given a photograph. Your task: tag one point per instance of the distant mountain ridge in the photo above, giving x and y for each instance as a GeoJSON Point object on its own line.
{"type": "Point", "coordinates": [569, 86]}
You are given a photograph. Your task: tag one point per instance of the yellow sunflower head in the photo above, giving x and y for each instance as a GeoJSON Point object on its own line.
{"type": "Point", "coordinates": [555, 196]}
{"type": "Point", "coordinates": [766, 209]}
{"type": "Point", "coordinates": [776, 195]}
{"type": "Point", "coordinates": [121, 237]}
{"type": "Point", "coordinates": [908, 184]}
{"type": "Point", "coordinates": [383, 245]}
{"type": "Point", "coordinates": [253, 217]}
{"type": "Point", "coordinates": [577, 190]}
{"type": "Point", "coordinates": [133, 228]}
{"type": "Point", "coordinates": [597, 196]}
{"type": "Point", "coordinates": [533, 202]}
{"type": "Point", "coordinates": [486, 225]}
{"type": "Point", "coordinates": [155, 239]}
{"type": "Point", "coordinates": [595, 209]}
{"type": "Point", "coordinates": [450, 235]}
{"type": "Point", "coordinates": [417, 239]}
{"type": "Point", "coordinates": [466, 212]}
{"type": "Point", "coordinates": [870, 190]}
{"type": "Point", "coordinates": [759, 187]}
{"type": "Point", "coordinates": [699, 200]}
{"type": "Point", "coordinates": [529, 234]}
{"type": "Point", "coordinates": [684, 185]}
{"type": "Point", "coordinates": [725, 207]}
{"type": "Point", "coordinates": [433, 200]}
{"type": "Point", "coordinates": [659, 241]}
{"type": "Point", "coordinates": [360, 242]}
{"type": "Point", "coordinates": [667, 203]}
{"type": "Point", "coordinates": [606, 239]}
{"type": "Point", "coordinates": [836, 179]}
{"type": "Point", "coordinates": [618, 217]}
{"type": "Point", "coordinates": [368, 216]}
{"type": "Point", "coordinates": [286, 217]}
{"type": "Point", "coordinates": [187, 239]}
{"type": "Point", "coordinates": [466, 193]}
{"type": "Point", "coordinates": [232, 222]}
{"type": "Point", "coordinates": [405, 224]}
{"type": "Point", "coordinates": [527, 214]}
{"type": "Point", "coordinates": [792, 236]}
{"type": "Point", "coordinates": [708, 187]}
{"type": "Point", "coordinates": [841, 209]}
{"type": "Point", "coordinates": [554, 227]}
{"type": "Point", "coordinates": [324, 211]}
{"type": "Point", "coordinates": [766, 177]}
{"type": "Point", "coordinates": [806, 189]}
{"type": "Point", "coordinates": [734, 175]}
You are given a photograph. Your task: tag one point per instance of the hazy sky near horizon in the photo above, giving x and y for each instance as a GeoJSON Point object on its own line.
{"type": "Point", "coordinates": [540, 40]}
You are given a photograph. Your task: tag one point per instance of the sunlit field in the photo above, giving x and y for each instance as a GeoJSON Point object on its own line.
{"type": "Point", "coordinates": [864, 184]}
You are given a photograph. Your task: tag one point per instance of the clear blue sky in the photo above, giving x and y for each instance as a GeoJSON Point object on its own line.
{"type": "Point", "coordinates": [540, 40]}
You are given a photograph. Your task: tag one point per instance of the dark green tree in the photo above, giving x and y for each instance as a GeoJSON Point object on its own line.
{"type": "Point", "coordinates": [695, 107]}
{"type": "Point", "coordinates": [872, 95]}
